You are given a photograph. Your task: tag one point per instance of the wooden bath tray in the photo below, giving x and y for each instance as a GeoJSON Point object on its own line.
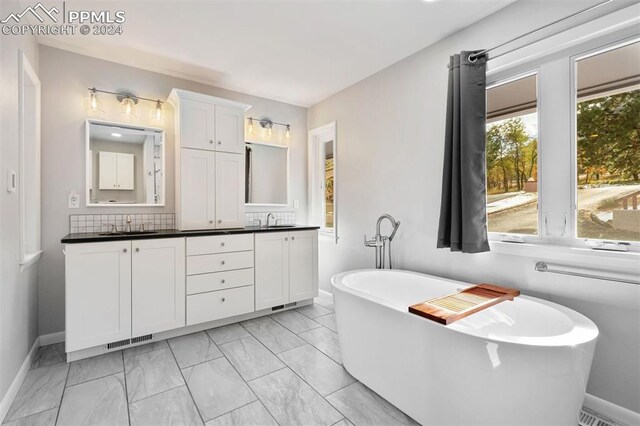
{"type": "Point", "coordinates": [455, 306]}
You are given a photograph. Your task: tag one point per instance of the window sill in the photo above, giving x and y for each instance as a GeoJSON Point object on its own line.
{"type": "Point", "coordinates": [610, 261]}
{"type": "Point", "coordinates": [29, 260]}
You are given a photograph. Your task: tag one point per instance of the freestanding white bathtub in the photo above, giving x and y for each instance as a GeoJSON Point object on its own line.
{"type": "Point", "coordinates": [524, 362]}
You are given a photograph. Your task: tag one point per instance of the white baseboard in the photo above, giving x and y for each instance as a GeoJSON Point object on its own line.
{"type": "Point", "coordinates": [8, 397]}
{"type": "Point", "coordinates": [611, 410]}
{"type": "Point", "coordinates": [53, 338]}
{"type": "Point", "coordinates": [325, 295]}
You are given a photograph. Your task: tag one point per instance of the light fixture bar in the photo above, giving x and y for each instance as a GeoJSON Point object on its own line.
{"type": "Point", "coordinates": [94, 90]}
{"type": "Point", "coordinates": [272, 122]}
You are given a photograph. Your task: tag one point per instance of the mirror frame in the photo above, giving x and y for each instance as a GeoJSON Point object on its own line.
{"type": "Point", "coordinates": [272, 145]}
{"type": "Point", "coordinates": [88, 161]}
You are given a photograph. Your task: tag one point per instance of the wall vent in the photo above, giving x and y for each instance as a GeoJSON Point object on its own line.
{"type": "Point", "coordinates": [277, 308]}
{"type": "Point", "coordinates": [591, 418]}
{"type": "Point", "coordinates": [289, 305]}
{"type": "Point", "coordinates": [118, 344]}
{"type": "Point", "coordinates": [142, 338]}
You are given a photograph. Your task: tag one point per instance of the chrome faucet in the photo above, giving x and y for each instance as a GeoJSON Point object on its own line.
{"type": "Point", "coordinates": [380, 242]}
{"type": "Point", "coordinates": [128, 228]}
{"type": "Point", "coordinates": [269, 216]}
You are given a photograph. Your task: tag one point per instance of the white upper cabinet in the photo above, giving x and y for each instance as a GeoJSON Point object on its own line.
{"type": "Point", "coordinates": [209, 188]}
{"type": "Point", "coordinates": [115, 171]}
{"type": "Point", "coordinates": [98, 293]}
{"type": "Point", "coordinates": [158, 289]}
{"type": "Point", "coordinates": [196, 192]}
{"type": "Point", "coordinates": [229, 129]}
{"type": "Point", "coordinates": [229, 190]}
{"type": "Point", "coordinates": [196, 125]}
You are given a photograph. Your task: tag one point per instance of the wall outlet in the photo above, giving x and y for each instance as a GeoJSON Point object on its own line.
{"type": "Point", "coordinates": [74, 200]}
{"type": "Point", "coordinates": [296, 204]}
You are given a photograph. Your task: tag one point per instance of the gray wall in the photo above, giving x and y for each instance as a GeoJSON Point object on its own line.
{"type": "Point", "coordinates": [390, 131]}
{"type": "Point", "coordinates": [18, 291]}
{"type": "Point", "coordinates": [65, 78]}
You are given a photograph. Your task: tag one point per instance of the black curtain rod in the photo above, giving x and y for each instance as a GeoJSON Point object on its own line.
{"type": "Point", "coordinates": [474, 56]}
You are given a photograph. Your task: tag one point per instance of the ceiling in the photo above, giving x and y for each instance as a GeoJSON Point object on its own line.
{"type": "Point", "coordinates": [299, 52]}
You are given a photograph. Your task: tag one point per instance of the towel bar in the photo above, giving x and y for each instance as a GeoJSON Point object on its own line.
{"type": "Point", "coordinates": [542, 267]}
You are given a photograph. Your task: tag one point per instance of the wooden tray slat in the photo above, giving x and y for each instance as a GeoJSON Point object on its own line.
{"type": "Point", "coordinates": [452, 307]}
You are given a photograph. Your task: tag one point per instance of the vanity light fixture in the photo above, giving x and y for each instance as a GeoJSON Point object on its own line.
{"type": "Point", "coordinates": [127, 100]}
{"type": "Point", "coordinates": [267, 124]}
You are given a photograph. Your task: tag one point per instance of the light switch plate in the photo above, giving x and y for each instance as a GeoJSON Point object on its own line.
{"type": "Point", "coordinates": [74, 200]}
{"type": "Point", "coordinates": [296, 204]}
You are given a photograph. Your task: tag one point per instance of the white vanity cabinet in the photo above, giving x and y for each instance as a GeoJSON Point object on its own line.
{"type": "Point", "coordinates": [118, 290]}
{"type": "Point", "coordinates": [210, 161]}
{"type": "Point", "coordinates": [286, 267]}
{"type": "Point", "coordinates": [97, 293]}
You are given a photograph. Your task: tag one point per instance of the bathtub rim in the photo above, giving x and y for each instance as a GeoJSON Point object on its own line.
{"type": "Point", "coordinates": [570, 339]}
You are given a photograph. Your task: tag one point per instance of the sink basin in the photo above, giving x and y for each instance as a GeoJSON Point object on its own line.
{"type": "Point", "coordinates": [129, 233]}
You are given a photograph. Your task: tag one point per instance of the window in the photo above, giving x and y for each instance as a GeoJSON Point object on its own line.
{"type": "Point", "coordinates": [29, 176]}
{"type": "Point", "coordinates": [608, 144]}
{"type": "Point", "coordinates": [512, 156]}
{"type": "Point", "coordinates": [322, 178]}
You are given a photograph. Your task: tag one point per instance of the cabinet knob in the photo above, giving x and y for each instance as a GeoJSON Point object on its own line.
{"type": "Point", "coordinates": [137, 249]}
{"type": "Point", "coordinates": [219, 220]}
{"type": "Point", "coordinates": [222, 244]}
{"type": "Point", "coordinates": [124, 250]}
{"type": "Point", "coordinates": [211, 221]}
{"type": "Point", "coordinates": [223, 299]}
{"type": "Point", "coordinates": [286, 239]}
{"type": "Point", "coordinates": [222, 262]}
{"type": "Point", "coordinates": [211, 141]}
{"type": "Point", "coordinates": [219, 142]}
{"type": "Point", "coordinates": [222, 281]}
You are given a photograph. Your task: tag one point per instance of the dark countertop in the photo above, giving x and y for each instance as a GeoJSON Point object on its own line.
{"type": "Point", "coordinates": [174, 233]}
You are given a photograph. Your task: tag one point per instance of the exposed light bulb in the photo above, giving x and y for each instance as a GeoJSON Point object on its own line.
{"type": "Point", "coordinates": [287, 133]}
{"type": "Point", "coordinates": [270, 130]}
{"type": "Point", "coordinates": [250, 130]}
{"type": "Point", "coordinates": [157, 111]}
{"type": "Point", "coordinates": [116, 135]}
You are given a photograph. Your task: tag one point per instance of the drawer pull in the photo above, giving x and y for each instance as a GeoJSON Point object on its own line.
{"type": "Point", "coordinates": [124, 250]}
{"type": "Point", "coordinates": [293, 238]}
{"type": "Point", "coordinates": [219, 142]}
{"type": "Point", "coordinates": [286, 239]}
{"type": "Point", "coordinates": [211, 221]}
{"type": "Point", "coordinates": [137, 249]}
{"type": "Point", "coordinates": [223, 299]}
{"type": "Point", "coordinates": [222, 262]}
{"type": "Point", "coordinates": [222, 281]}
{"type": "Point", "coordinates": [219, 220]}
{"type": "Point", "coordinates": [210, 141]}
{"type": "Point", "coordinates": [222, 244]}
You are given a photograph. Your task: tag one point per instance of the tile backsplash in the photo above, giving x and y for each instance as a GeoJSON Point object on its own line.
{"type": "Point", "coordinates": [89, 223]}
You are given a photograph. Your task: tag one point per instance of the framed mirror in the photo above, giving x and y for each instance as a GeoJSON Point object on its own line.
{"type": "Point", "coordinates": [266, 174]}
{"type": "Point", "coordinates": [125, 165]}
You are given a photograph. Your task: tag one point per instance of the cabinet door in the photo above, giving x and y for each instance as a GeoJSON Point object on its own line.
{"type": "Point", "coordinates": [303, 265]}
{"type": "Point", "coordinates": [196, 125]}
{"type": "Point", "coordinates": [229, 190]}
{"type": "Point", "coordinates": [98, 293]}
{"type": "Point", "coordinates": [197, 189]}
{"type": "Point", "coordinates": [107, 170]}
{"type": "Point", "coordinates": [272, 269]}
{"type": "Point", "coordinates": [158, 285]}
{"type": "Point", "coordinates": [229, 129]}
{"type": "Point", "coordinates": [125, 171]}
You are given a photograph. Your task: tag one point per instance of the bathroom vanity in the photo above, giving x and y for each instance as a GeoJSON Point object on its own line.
{"type": "Point", "coordinates": [125, 289]}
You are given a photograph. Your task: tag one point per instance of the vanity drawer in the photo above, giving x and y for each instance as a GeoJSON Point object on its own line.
{"type": "Point", "coordinates": [215, 305]}
{"type": "Point", "coordinates": [219, 280]}
{"type": "Point", "coordinates": [219, 262]}
{"type": "Point", "coordinates": [219, 244]}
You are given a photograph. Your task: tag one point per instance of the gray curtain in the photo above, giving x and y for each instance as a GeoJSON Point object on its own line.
{"type": "Point", "coordinates": [463, 213]}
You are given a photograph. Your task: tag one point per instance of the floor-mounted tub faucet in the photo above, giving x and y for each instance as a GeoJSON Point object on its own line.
{"type": "Point", "coordinates": [380, 242]}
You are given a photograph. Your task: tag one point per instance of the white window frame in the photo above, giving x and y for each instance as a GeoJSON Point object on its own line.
{"type": "Point", "coordinates": [555, 57]}
{"type": "Point", "coordinates": [317, 139]}
{"type": "Point", "coordinates": [30, 251]}
{"type": "Point", "coordinates": [507, 236]}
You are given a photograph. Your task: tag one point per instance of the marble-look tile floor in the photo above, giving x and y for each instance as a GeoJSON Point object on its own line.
{"type": "Point", "coordinates": [283, 369]}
